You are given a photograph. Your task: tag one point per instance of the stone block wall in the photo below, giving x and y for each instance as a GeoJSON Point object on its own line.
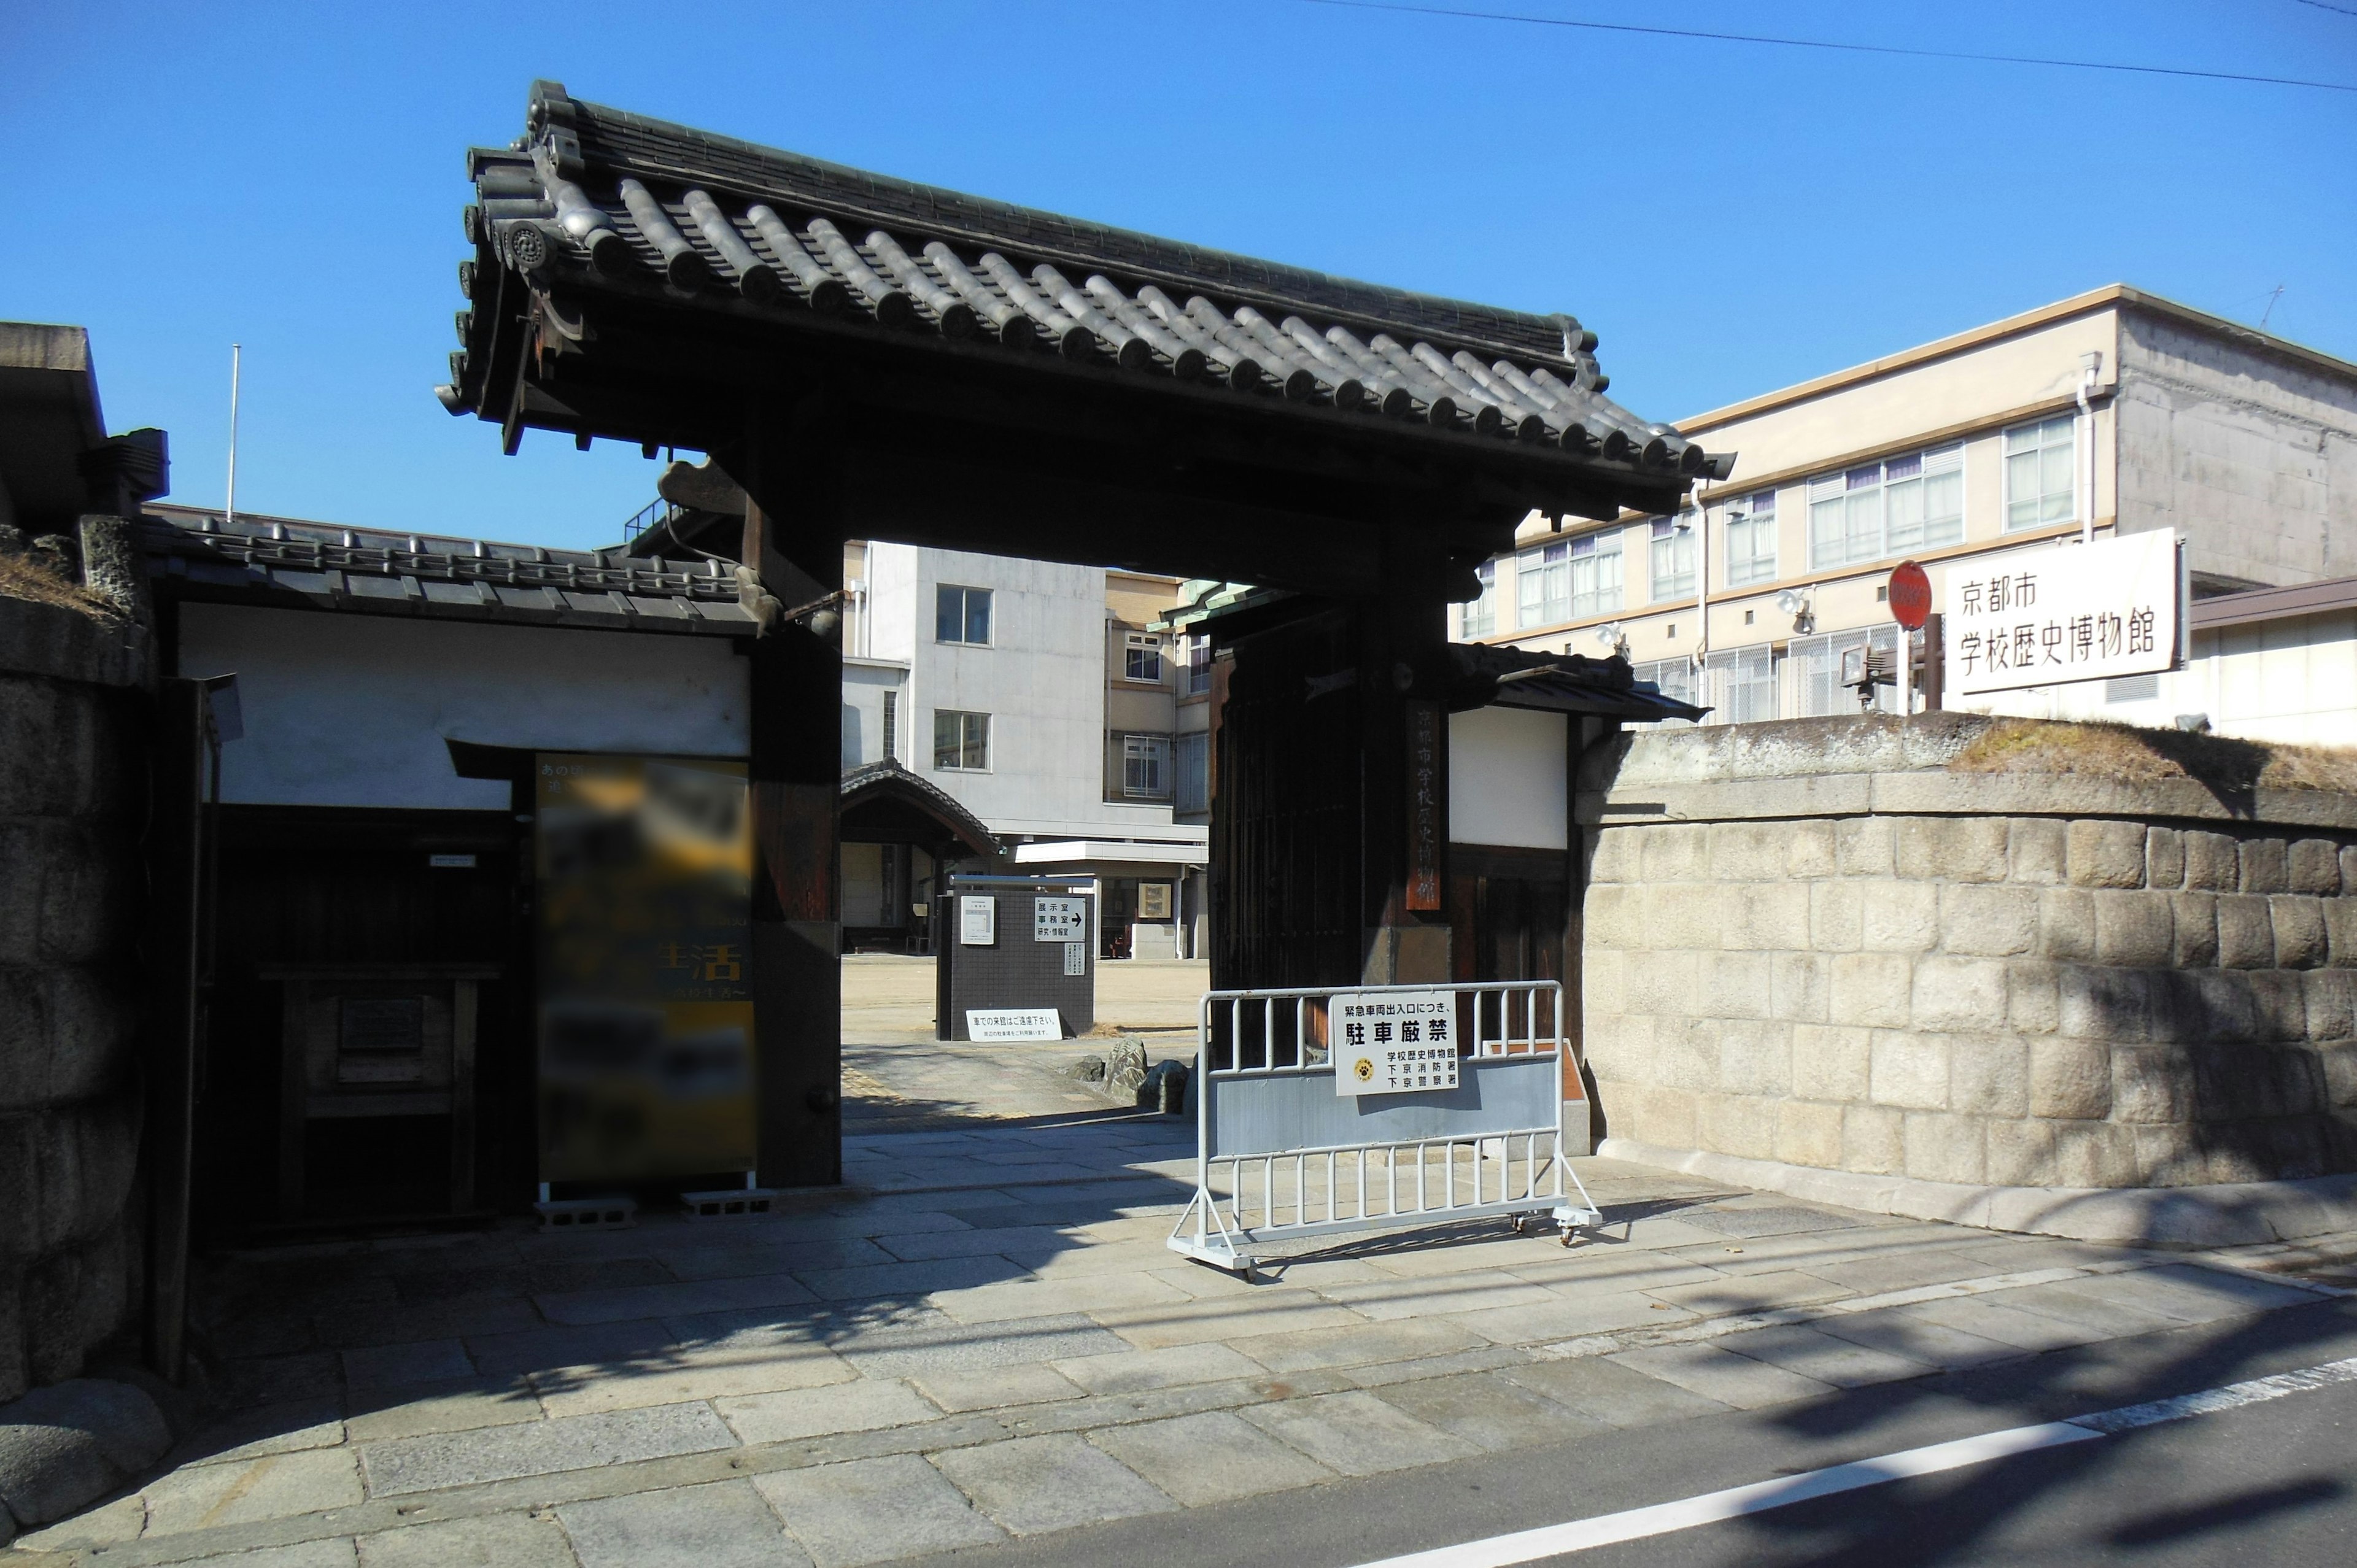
{"type": "Point", "coordinates": [1818, 970]}
{"type": "Point", "coordinates": [71, 744]}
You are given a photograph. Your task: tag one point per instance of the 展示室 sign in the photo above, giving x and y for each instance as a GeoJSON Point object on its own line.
{"type": "Point", "coordinates": [1392, 1042]}
{"type": "Point", "coordinates": [2076, 612]}
{"type": "Point", "coordinates": [1060, 920]}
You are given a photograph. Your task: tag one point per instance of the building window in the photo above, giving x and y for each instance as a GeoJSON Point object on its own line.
{"type": "Point", "coordinates": [1673, 559]}
{"type": "Point", "coordinates": [891, 726]}
{"type": "Point", "coordinates": [961, 614]}
{"type": "Point", "coordinates": [1146, 767]}
{"type": "Point", "coordinates": [1738, 686]}
{"type": "Point", "coordinates": [1192, 754]}
{"type": "Point", "coordinates": [961, 741]}
{"type": "Point", "coordinates": [1880, 509]}
{"type": "Point", "coordinates": [2040, 477]}
{"type": "Point", "coordinates": [1751, 541]}
{"type": "Point", "coordinates": [1480, 618]}
{"type": "Point", "coordinates": [1816, 671]}
{"type": "Point", "coordinates": [1670, 677]}
{"type": "Point", "coordinates": [1596, 573]}
{"type": "Point", "coordinates": [1542, 585]}
{"type": "Point", "coordinates": [1199, 664]}
{"type": "Point", "coordinates": [1141, 657]}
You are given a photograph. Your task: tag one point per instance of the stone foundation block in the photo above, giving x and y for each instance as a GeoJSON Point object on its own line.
{"type": "Point", "coordinates": [1898, 917]}
{"type": "Point", "coordinates": [2164, 858]}
{"type": "Point", "coordinates": [1614, 857]}
{"type": "Point", "coordinates": [1666, 982]}
{"type": "Point", "coordinates": [1946, 1148]}
{"type": "Point", "coordinates": [2070, 1080]}
{"type": "Point", "coordinates": [1988, 1075]}
{"type": "Point", "coordinates": [2266, 866]}
{"type": "Point", "coordinates": [2066, 923]}
{"type": "Point", "coordinates": [1830, 1063]}
{"type": "Point", "coordinates": [1618, 1044]}
{"type": "Point", "coordinates": [2247, 933]}
{"type": "Point", "coordinates": [1747, 852]}
{"type": "Point", "coordinates": [2133, 929]}
{"type": "Point", "coordinates": [75, 1299]}
{"type": "Point", "coordinates": [2104, 853]}
{"type": "Point", "coordinates": [1910, 1070]}
{"type": "Point", "coordinates": [1755, 1057]}
{"type": "Point", "coordinates": [1687, 914]}
{"type": "Point", "coordinates": [1799, 984]}
{"type": "Point", "coordinates": [2282, 1002]}
{"type": "Point", "coordinates": [1874, 1139]}
{"type": "Point", "coordinates": [1837, 915]}
{"type": "Point", "coordinates": [1958, 993]}
{"type": "Point", "coordinates": [2020, 1153]}
{"type": "Point", "coordinates": [2349, 866]}
{"type": "Point", "coordinates": [2300, 935]}
{"type": "Point", "coordinates": [2032, 1000]}
{"type": "Point", "coordinates": [1872, 989]}
{"type": "Point", "coordinates": [1808, 849]}
{"type": "Point", "coordinates": [2036, 851]}
{"type": "Point", "coordinates": [2313, 867]}
{"type": "Point", "coordinates": [2094, 1154]}
{"type": "Point", "coordinates": [1652, 1113]}
{"type": "Point", "coordinates": [1602, 976]}
{"type": "Point", "coordinates": [1685, 1054]}
{"type": "Point", "coordinates": [2212, 861]}
{"type": "Point", "coordinates": [2338, 1063]}
{"type": "Point", "coordinates": [1764, 916]}
{"type": "Point", "coordinates": [2151, 1083]}
{"type": "Point", "coordinates": [1983, 918]}
{"type": "Point", "coordinates": [2340, 929]}
{"type": "Point", "coordinates": [2202, 1005]}
{"type": "Point", "coordinates": [1864, 846]}
{"type": "Point", "coordinates": [1736, 1124]}
{"type": "Point", "coordinates": [1675, 852]}
{"type": "Point", "coordinates": [54, 752]}
{"type": "Point", "coordinates": [1614, 917]}
{"type": "Point", "coordinates": [2097, 1004]}
{"type": "Point", "coordinates": [1809, 1134]}
{"type": "Point", "coordinates": [1959, 849]}
{"type": "Point", "coordinates": [2166, 1156]}
{"type": "Point", "coordinates": [2192, 930]}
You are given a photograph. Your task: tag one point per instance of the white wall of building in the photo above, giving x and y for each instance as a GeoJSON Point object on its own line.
{"type": "Point", "coordinates": [1507, 773]}
{"type": "Point", "coordinates": [352, 709]}
{"type": "Point", "coordinates": [864, 683]}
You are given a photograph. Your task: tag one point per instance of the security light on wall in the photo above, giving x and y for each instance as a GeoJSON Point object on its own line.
{"type": "Point", "coordinates": [1794, 602]}
{"type": "Point", "coordinates": [1614, 636]}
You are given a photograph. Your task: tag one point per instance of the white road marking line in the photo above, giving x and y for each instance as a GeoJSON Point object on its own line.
{"type": "Point", "coordinates": [1712, 1507]}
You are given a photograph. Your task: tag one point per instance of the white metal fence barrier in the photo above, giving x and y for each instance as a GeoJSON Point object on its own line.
{"type": "Point", "coordinates": [1337, 1109]}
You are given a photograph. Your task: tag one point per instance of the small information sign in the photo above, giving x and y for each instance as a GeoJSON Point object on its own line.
{"type": "Point", "coordinates": [977, 920]}
{"type": "Point", "coordinates": [2080, 612]}
{"type": "Point", "coordinates": [1154, 900]}
{"type": "Point", "coordinates": [1060, 920]}
{"type": "Point", "coordinates": [1393, 1042]}
{"type": "Point", "coordinates": [1076, 957]}
{"type": "Point", "coordinates": [1014, 1024]}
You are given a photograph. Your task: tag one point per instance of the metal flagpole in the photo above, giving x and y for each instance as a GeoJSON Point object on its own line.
{"type": "Point", "coordinates": [236, 353]}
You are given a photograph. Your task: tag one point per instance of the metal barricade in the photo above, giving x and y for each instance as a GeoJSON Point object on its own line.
{"type": "Point", "coordinates": [1283, 1154]}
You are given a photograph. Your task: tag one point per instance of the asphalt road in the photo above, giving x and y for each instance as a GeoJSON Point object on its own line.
{"type": "Point", "coordinates": [2264, 1484]}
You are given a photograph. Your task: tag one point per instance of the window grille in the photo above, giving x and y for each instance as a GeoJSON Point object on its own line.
{"type": "Point", "coordinates": [1739, 684]}
{"type": "Point", "coordinates": [1672, 678]}
{"type": "Point", "coordinates": [891, 726]}
{"type": "Point", "coordinates": [1814, 672]}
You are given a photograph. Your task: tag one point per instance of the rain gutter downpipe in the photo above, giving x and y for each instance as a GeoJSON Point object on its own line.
{"type": "Point", "coordinates": [2091, 365]}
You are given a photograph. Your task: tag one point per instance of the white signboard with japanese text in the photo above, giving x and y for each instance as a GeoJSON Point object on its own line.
{"type": "Point", "coordinates": [1076, 957]}
{"type": "Point", "coordinates": [1014, 1024]}
{"type": "Point", "coordinates": [2076, 612]}
{"type": "Point", "coordinates": [1060, 920]}
{"type": "Point", "coordinates": [977, 920]}
{"type": "Point", "coordinates": [1393, 1042]}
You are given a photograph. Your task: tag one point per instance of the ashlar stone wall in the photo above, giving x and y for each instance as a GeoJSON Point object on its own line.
{"type": "Point", "coordinates": [1797, 967]}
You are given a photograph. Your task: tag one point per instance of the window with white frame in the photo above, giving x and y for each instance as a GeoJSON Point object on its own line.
{"type": "Point", "coordinates": [1880, 509]}
{"type": "Point", "coordinates": [1542, 585]}
{"type": "Point", "coordinates": [1146, 767]}
{"type": "Point", "coordinates": [1479, 617]}
{"type": "Point", "coordinates": [961, 614]}
{"type": "Point", "coordinates": [1738, 686]}
{"type": "Point", "coordinates": [1751, 540]}
{"type": "Point", "coordinates": [961, 741]}
{"type": "Point", "coordinates": [891, 726]}
{"type": "Point", "coordinates": [1596, 587]}
{"type": "Point", "coordinates": [2041, 470]}
{"type": "Point", "coordinates": [1191, 755]}
{"type": "Point", "coordinates": [1813, 666]}
{"type": "Point", "coordinates": [1199, 664]}
{"type": "Point", "coordinates": [1671, 677]}
{"type": "Point", "coordinates": [1672, 558]}
{"type": "Point", "coordinates": [1141, 657]}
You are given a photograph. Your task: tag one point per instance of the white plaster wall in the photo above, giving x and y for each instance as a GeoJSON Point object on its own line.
{"type": "Point", "coordinates": [863, 685]}
{"type": "Point", "coordinates": [352, 709]}
{"type": "Point", "coordinates": [1507, 769]}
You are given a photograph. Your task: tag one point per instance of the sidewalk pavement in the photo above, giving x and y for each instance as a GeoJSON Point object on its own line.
{"type": "Point", "coordinates": [984, 1338]}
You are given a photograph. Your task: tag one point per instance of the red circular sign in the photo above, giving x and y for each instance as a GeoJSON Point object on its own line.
{"type": "Point", "coordinates": [1910, 594]}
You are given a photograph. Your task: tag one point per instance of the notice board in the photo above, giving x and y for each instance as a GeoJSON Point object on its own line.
{"type": "Point", "coordinates": [645, 873]}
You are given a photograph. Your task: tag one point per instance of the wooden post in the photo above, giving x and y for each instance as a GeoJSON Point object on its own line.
{"type": "Point", "coordinates": [176, 861]}
{"type": "Point", "coordinates": [794, 539]}
{"type": "Point", "coordinates": [462, 1095]}
{"type": "Point", "coordinates": [1403, 772]}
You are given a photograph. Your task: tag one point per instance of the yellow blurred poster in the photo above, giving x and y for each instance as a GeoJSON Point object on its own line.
{"type": "Point", "coordinates": [646, 1001]}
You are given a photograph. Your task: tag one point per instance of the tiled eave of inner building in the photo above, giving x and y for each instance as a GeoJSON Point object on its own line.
{"type": "Point", "coordinates": [605, 201]}
{"type": "Point", "coordinates": [287, 562]}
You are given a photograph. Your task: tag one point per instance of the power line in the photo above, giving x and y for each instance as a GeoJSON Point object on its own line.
{"type": "Point", "coordinates": [1827, 44]}
{"type": "Point", "coordinates": [2327, 6]}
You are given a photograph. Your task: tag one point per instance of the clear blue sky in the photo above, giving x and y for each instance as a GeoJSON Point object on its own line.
{"type": "Point", "coordinates": [1730, 217]}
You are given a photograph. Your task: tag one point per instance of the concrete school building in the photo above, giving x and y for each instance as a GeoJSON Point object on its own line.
{"type": "Point", "coordinates": [2114, 408]}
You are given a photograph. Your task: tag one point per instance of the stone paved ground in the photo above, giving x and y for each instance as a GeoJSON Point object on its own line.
{"type": "Point", "coordinates": [988, 1339]}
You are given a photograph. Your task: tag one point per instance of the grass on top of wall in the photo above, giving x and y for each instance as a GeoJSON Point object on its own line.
{"type": "Point", "coordinates": [22, 577]}
{"type": "Point", "coordinates": [2131, 755]}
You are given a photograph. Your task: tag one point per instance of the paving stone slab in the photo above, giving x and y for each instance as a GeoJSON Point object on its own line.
{"type": "Point", "coordinates": [1612, 1395]}
{"type": "Point", "coordinates": [1751, 1292]}
{"type": "Point", "coordinates": [926, 1245]}
{"type": "Point", "coordinates": [394, 1366]}
{"type": "Point", "coordinates": [995, 1387]}
{"type": "Point", "coordinates": [2110, 1314]}
{"type": "Point", "coordinates": [1987, 1318]}
{"type": "Point", "coordinates": [1269, 1310]}
{"type": "Point", "coordinates": [1211, 1457]}
{"type": "Point", "coordinates": [865, 1405]}
{"type": "Point", "coordinates": [1722, 1375]}
{"type": "Point", "coordinates": [677, 1300]}
{"type": "Point", "coordinates": [422, 1464]}
{"type": "Point", "coordinates": [1005, 1298]}
{"type": "Point", "coordinates": [489, 1541]}
{"type": "Point", "coordinates": [2191, 1293]}
{"type": "Point", "coordinates": [460, 1406]}
{"type": "Point", "coordinates": [1896, 1332]}
{"type": "Point", "coordinates": [278, 1486]}
{"type": "Point", "coordinates": [1356, 1345]}
{"type": "Point", "coordinates": [1488, 1410]}
{"type": "Point", "coordinates": [1844, 1363]}
{"type": "Point", "coordinates": [722, 1525]}
{"type": "Point", "coordinates": [1566, 1316]}
{"type": "Point", "coordinates": [1356, 1433]}
{"type": "Point", "coordinates": [357, 1327]}
{"type": "Point", "coordinates": [533, 1349]}
{"type": "Point", "coordinates": [945, 1345]}
{"type": "Point", "coordinates": [765, 1255]}
{"type": "Point", "coordinates": [870, 1510]}
{"type": "Point", "coordinates": [582, 1391]}
{"type": "Point", "coordinates": [1130, 1371]}
{"type": "Point", "coordinates": [334, 1553]}
{"type": "Point", "coordinates": [909, 1279]}
{"type": "Point", "coordinates": [1033, 1485]}
{"type": "Point", "coordinates": [1476, 1290]}
{"type": "Point", "coordinates": [265, 1429]}
{"type": "Point", "coordinates": [1900, 1270]}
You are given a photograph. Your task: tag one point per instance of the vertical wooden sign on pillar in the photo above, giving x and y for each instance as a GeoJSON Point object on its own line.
{"type": "Point", "coordinates": [1427, 828]}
